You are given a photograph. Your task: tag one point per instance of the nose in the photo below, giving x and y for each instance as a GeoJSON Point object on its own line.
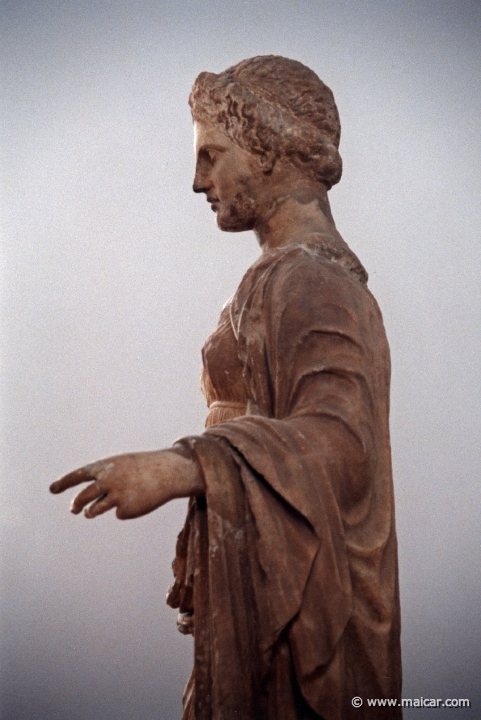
{"type": "Point", "coordinates": [198, 187]}
{"type": "Point", "coordinates": [201, 180]}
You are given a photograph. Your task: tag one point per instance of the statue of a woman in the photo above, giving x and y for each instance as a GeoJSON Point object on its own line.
{"type": "Point", "coordinates": [286, 569]}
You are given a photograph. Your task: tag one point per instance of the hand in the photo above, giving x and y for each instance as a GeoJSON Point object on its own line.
{"type": "Point", "coordinates": [135, 484]}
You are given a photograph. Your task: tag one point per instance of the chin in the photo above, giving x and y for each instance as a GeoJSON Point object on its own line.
{"type": "Point", "coordinates": [232, 225]}
{"type": "Point", "coordinates": [238, 217]}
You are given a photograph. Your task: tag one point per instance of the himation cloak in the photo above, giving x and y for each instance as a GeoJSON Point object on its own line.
{"type": "Point", "coordinates": [287, 569]}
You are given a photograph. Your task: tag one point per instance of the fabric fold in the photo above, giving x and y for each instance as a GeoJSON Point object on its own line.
{"type": "Point", "coordinates": [289, 563]}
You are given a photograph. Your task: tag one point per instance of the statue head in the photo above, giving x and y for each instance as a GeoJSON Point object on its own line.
{"type": "Point", "coordinates": [276, 108]}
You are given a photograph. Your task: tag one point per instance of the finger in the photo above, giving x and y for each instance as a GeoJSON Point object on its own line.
{"type": "Point", "coordinates": [100, 506]}
{"type": "Point", "coordinates": [74, 478]}
{"type": "Point", "coordinates": [92, 492]}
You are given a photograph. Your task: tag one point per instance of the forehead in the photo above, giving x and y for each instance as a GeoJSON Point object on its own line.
{"type": "Point", "coordinates": [206, 134]}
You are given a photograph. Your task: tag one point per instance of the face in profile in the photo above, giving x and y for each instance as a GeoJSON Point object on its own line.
{"type": "Point", "coordinates": [230, 177]}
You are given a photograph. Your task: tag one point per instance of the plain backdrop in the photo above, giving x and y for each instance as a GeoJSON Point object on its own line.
{"type": "Point", "coordinates": [114, 273]}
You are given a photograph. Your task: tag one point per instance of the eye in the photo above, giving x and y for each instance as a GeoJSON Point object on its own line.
{"type": "Point", "coordinates": [211, 155]}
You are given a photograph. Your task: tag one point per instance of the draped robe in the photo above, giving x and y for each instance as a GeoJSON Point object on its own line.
{"type": "Point", "coordinates": [287, 569]}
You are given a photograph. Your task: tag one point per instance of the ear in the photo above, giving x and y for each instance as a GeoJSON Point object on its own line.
{"type": "Point", "coordinates": [267, 160]}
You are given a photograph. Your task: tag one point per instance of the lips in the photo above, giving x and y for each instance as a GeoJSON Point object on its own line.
{"type": "Point", "coordinates": [213, 203]}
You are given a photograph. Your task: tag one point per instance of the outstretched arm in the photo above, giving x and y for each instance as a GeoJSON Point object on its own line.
{"type": "Point", "coordinates": [135, 484]}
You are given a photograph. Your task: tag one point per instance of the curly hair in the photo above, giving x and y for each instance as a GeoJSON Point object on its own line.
{"type": "Point", "coordinates": [271, 104]}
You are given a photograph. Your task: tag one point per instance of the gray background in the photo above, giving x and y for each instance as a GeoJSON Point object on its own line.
{"type": "Point", "coordinates": [114, 273]}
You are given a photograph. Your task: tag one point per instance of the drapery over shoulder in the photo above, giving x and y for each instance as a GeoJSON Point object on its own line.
{"type": "Point", "coordinates": [290, 563]}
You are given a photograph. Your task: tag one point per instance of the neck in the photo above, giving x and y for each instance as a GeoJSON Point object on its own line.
{"type": "Point", "coordinates": [296, 216]}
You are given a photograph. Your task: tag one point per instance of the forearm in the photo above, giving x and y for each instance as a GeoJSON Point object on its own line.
{"type": "Point", "coordinates": [185, 478]}
{"type": "Point", "coordinates": [159, 476]}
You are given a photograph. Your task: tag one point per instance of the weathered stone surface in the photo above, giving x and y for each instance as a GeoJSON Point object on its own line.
{"type": "Point", "coordinates": [286, 569]}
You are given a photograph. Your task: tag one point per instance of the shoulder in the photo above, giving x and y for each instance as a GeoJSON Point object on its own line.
{"type": "Point", "coordinates": [295, 285]}
{"type": "Point", "coordinates": [304, 273]}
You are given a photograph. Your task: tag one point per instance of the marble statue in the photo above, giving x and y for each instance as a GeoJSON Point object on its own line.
{"type": "Point", "coordinates": [286, 569]}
